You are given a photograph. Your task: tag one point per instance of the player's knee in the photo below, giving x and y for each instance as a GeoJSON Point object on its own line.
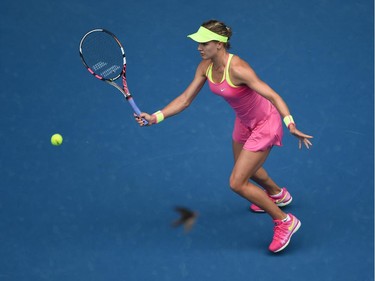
{"type": "Point", "coordinates": [236, 184]}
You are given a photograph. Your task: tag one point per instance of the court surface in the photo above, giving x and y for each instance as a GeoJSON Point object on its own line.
{"type": "Point", "coordinates": [99, 207]}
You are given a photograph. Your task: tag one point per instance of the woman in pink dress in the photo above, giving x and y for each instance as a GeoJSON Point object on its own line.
{"type": "Point", "coordinates": [257, 128]}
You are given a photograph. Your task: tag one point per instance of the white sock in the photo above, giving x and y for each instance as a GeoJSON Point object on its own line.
{"type": "Point", "coordinates": [277, 195]}
{"type": "Point", "coordinates": [286, 219]}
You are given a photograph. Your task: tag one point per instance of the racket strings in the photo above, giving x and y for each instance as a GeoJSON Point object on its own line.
{"type": "Point", "coordinates": [103, 55]}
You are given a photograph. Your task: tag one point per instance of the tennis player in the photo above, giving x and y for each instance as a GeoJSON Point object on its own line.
{"type": "Point", "coordinates": [257, 126]}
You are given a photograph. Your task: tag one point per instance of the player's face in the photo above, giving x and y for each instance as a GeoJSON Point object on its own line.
{"type": "Point", "coordinates": [209, 49]}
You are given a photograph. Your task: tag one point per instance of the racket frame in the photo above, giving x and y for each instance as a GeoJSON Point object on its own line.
{"type": "Point", "coordinates": [111, 81]}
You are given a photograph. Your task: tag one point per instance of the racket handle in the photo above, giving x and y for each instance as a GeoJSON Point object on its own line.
{"type": "Point", "coordinates": [136, 109]}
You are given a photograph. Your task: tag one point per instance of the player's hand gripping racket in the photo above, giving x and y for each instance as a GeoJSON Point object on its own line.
{"type": "Point", "coordinates": [104, 57]}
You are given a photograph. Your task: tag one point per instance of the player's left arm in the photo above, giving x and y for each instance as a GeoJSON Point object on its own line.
{"type": "Point", "coordinates": [242, 73]}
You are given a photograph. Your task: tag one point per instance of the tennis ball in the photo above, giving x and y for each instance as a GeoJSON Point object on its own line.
{"type": "Point", "coordinates": [56, 139]}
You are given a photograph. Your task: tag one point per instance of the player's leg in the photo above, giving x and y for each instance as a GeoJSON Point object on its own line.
{"type": "Point", "coordinates": [261, 178]}
{"type": "Point", "coordinates": [280, 196]}
{"type": "Point", "coordinates": [246, 165]}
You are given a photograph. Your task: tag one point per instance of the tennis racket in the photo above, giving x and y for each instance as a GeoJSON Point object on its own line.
{"type": "Point", "coordinates": [104, 57]}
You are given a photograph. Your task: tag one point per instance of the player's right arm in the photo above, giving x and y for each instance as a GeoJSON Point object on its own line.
{"type": "Point", "coordinates": [184, 100]}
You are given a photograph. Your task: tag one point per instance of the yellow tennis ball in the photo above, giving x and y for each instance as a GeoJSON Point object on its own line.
{"type": "Point", "coordinates": [56, 139]}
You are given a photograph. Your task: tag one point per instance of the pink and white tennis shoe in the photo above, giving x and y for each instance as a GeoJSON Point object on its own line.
{"type": "Point", "coordinates": [284, 199]}
{"type": "Point", "coordinates": [283, 232]}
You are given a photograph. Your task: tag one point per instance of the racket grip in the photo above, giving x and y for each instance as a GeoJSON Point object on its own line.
{"type": "Point", "coordinates": [136, 109]}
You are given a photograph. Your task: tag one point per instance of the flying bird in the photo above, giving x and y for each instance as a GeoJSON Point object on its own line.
{"type": "Point", "coordinates": [187, 218]}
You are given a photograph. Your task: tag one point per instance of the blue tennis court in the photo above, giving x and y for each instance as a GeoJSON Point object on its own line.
{"type": "Point", "coordinates": [100, 206]}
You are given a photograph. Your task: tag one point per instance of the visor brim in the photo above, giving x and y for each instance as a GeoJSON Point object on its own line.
{"type": "Point", "coordinates": [199, 38]}
{"type": "Point", "coordinates": [204, 35]}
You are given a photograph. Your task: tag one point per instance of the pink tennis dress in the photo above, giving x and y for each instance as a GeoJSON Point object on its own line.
{"type": "Point", "coordinates": [258, 123]}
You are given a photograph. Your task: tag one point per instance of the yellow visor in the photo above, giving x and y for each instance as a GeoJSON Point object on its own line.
{"type": "Point", "coordinates": [204, 35]}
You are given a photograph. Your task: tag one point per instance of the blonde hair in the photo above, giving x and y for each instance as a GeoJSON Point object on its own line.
{"type": "Point", "coordinates": [219, 28]}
